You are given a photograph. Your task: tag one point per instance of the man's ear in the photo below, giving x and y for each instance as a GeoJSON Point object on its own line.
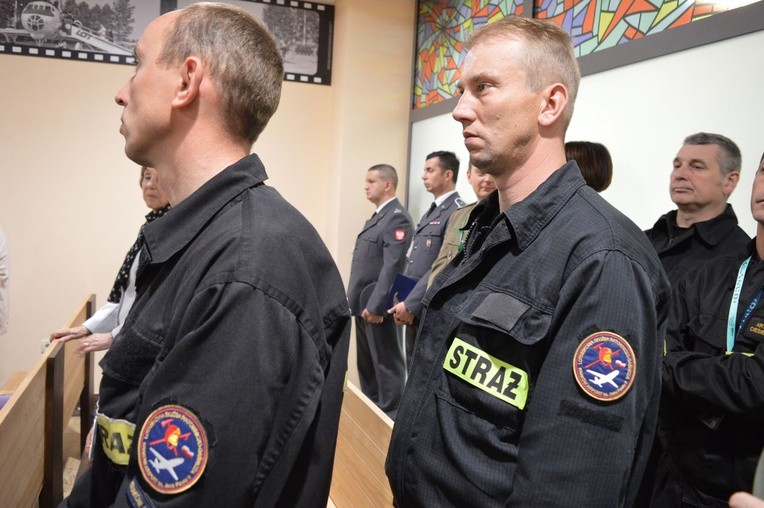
{"type": "Point", "coordinates": [191, 76]}
{"type": "Point", "coordinates": [730, 182]}
{"type": "Point", "coordinates": [555, 99]}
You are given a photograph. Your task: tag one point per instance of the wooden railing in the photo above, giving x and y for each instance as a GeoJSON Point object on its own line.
{"type": "Point", "coordinates": [358, 477]}
{"type": "Point", "coordinates": [32, 422]}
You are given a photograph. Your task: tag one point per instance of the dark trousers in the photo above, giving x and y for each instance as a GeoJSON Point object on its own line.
{"type": "Point", "coordinates": [380, 362]}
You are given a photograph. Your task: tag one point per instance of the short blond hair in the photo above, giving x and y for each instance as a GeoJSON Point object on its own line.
{"type": "Point", "coordinates": [548, 57]}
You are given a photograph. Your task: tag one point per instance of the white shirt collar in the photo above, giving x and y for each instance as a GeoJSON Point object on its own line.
{"type": "Point", "coordinates": [443, 197]}
{"type": "Point", "coordinates": [380, 207]}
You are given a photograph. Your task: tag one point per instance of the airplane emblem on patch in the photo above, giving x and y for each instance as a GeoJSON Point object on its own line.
{"type": "Point", "coordinates": [172, 449]}
{"type": "Point", "coordinates": [400, 234]}
{"type": "Point", "coordinates": [604, 366]}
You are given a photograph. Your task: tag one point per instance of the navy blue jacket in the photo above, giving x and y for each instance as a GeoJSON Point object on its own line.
{"type": "Point", "coordinates": [493, 413]}
{"type": "Point", "coordinates": [241, 319]}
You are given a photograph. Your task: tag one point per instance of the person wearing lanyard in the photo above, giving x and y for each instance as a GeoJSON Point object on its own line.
{"type": "Point", "coordinates": [711, 422]}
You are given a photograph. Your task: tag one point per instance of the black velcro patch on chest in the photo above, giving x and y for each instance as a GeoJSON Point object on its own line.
{"type": "Point", "coordinates": [591, 416]}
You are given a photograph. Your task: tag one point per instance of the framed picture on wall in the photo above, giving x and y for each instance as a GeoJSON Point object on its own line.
{"type": "Point", "coordinates": [107, 30]}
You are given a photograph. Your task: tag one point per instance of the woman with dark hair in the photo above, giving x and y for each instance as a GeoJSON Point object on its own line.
{"type": "Point", "coordinates": [594, 162]}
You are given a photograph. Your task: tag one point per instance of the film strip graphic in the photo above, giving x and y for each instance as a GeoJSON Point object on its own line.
{"type": "Point", "coordinates": [69, 54]}
{"type": "Point", "coordinates": [303, 30]}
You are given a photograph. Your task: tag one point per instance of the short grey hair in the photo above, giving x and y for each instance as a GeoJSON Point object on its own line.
{"type": "Point", "coordinates": [729, 154]}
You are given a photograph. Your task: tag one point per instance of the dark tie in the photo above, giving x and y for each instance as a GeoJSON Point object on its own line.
{"type": "Point", "coordinates": [432, 207]}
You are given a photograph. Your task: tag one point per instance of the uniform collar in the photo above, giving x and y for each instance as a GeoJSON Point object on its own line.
{"type": "Point", "coordinates": [530, 216]}
{"type": "Point", "coordinates": [385, 205]}
{"type": "Point", "coordinates": [711, 232]}
{"type": "Point", "coordinates": [443, 197]}
{"type": "Point", "coordinates": [164, 238]}
{"type": "Point", "coordinates": [523, 221]}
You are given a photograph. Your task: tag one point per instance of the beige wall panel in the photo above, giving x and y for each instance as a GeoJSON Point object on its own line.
{"type": "Point", "coordinates": [69, 198]}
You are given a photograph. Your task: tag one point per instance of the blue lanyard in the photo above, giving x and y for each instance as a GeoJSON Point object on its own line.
{"type": "Point", "coordinates": [732, 330]}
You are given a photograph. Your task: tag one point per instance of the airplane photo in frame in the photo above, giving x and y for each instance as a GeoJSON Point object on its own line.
{"type": "Point", "coordinates": [107, 30]}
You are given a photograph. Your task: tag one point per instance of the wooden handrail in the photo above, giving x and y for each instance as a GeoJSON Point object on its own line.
{"type": "Point", "coordinates": [33, 420]}
{"type": "Point", "coordinates": [358, 477]}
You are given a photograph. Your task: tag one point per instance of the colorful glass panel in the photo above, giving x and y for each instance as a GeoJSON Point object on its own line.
{"type": "Point", "coordinates": [600, 24]}
{"type": "Point", "coordinates": [442, 27]}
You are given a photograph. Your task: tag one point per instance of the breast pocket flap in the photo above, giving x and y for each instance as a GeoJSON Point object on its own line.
{"type": "Point", "coordinates": [505, 313]}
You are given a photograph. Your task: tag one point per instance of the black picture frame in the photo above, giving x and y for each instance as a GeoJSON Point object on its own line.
{"type": "Point", "coordinates": [111, 28]}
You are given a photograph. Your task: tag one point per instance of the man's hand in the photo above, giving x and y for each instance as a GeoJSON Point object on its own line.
{"type": "Point", "coordinates": [70, 333]}
{"type": "Point", "coordinates": [372, 318]}
{"type": "Point", "coordinates": [401, 314]}
{"type": "Point", "coordinates": [94, 342]}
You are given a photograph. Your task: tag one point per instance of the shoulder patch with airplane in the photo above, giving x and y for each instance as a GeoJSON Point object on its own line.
{"type": "Point", "coordinates": [604, 366]}
{"type": "Point", "coordinates": [172, 449]}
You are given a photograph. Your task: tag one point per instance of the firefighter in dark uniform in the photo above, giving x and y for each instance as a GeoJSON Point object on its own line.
{"type": "Point", "coordinates": [379, 254]}
{"type": "Point", "coordinates": [224, 386]}
{"type": "Point", "coordinates": [712, 410]}
{"type": "Point", "coordinates": [440, 172]}
{"type": "Point", "coordinates": [706, 172]}
{"type": "Point", "coordinates": [704, 226]}
{"type": "Point", "coordinates": [536, 376]}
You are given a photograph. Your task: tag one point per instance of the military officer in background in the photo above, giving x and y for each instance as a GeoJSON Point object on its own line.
{"type": "Point", "coordinates": [380, 253]}
{"type": "Point", "coordinates": [440, 172]}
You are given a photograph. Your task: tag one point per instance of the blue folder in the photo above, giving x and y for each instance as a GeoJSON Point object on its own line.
{"type": "Point", "coordinates": [400, 289]}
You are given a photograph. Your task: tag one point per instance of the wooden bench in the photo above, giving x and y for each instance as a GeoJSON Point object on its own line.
{"type": "Point", "coordinates": [358, 477]}
{"type": "Point", "coordinates": [32, 422]}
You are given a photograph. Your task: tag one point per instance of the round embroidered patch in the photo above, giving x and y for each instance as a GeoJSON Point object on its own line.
{"type": "Point", "coordinates": [172, 449]}
{"type": "Point", "coordinates": [605, 366]}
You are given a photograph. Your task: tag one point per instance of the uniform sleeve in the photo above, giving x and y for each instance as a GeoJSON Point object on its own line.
{"type": "Point", "coordinates": [395, 242]}
{"type": "Point", "coordinates": [731, 384]}
{"type": "Point", "coordinates": [414, 299]}
{"type": "Point", "coordinates": [251, 371]}
{"type": "Point", "coordinates": [724, 383]}
{"type": "Point", "coordinates": [575, 450]}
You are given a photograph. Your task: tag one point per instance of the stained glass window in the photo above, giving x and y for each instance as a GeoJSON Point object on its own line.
{"type": "Point", "coordinates": [444, 25]}
{"type": "Point", "coordinates": [600, 24]}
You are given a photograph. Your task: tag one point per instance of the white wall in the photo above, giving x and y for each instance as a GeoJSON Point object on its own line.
{"type": "Point", "coordinates": [642, 112]}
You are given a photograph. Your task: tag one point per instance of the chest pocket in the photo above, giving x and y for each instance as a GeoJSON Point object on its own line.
{"type": "Point", "coordinates": [133, 353]}
{"type": "Point", "coordinates": [706, 333]}
{"type": "Point", "coordinates": [368, 243]}
{"type": "Point", "coordinates": [752, 334]}
{"type": "Point", "coordinates": [494, 357]}
{"type": "Point", "coordinates": [428, 239]}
